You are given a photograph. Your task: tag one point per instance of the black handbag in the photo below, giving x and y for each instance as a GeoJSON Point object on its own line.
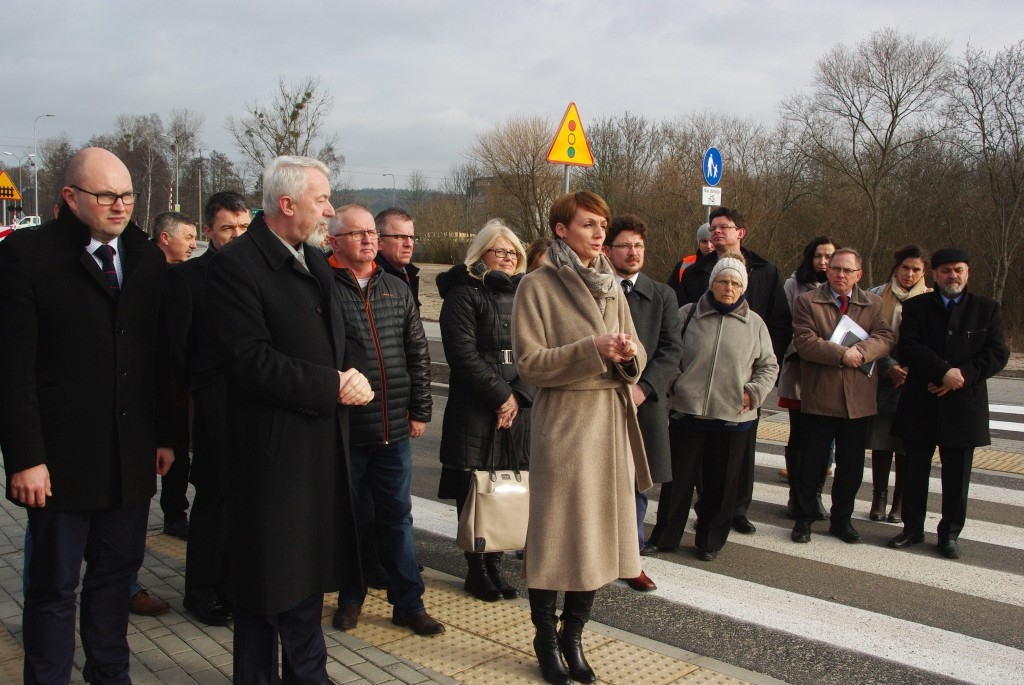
{"type": "Point", "coordinates": [497, 509]}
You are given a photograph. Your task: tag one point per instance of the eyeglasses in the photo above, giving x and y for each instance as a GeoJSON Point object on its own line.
{"type": "Point", "coordinates": [501, 253]}
{"type": "Point", "coordinates": [400, 237]}
{"type": "Point", "coordinates": [724, 228]}
{"type": "Point", "coordinates": [841, 270]}
{"type": "Point", "coordinates": [110, 199]}
{"type": "Point", "coordinates": [357, 236]}
{"type": "Point", "coordinates": [639, 247]}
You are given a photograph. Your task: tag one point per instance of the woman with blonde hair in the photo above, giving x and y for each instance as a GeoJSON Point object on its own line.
{"type": "Point", "coordinates": [488, 403]}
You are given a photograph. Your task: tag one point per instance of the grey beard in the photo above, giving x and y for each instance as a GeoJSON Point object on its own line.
{"type": "Point", "coordinates": [951, 292]}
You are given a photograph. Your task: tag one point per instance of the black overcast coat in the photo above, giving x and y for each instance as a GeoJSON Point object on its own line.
{"type": "Point", "coordinates": [931, 342]}
{"type": "Point", "coordinates": [282, 338]}
{"type": "Point", "coordinates": [658, 324]}
{"type": "Point", "coordinates": [476, 325]}
{"type": "Point", "coordinates": [81, 389]}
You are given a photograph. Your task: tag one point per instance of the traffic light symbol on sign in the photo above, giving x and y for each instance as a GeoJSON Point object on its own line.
{"type": "Point", "coordinates": [8, 191]}
{"type": "Point", "coordinates": [570, 145]}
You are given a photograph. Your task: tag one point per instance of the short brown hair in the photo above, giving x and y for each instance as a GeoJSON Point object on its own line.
{"type": "Point", "coordinates": [565, 207]}
{"type": "Point", "coordinates": [625, 222]}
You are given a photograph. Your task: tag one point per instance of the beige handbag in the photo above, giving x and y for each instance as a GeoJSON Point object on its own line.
{"type": "Point", "coordinates": [497, 507]}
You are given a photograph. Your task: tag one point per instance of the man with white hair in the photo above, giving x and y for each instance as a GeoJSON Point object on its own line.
{"type": "Point", "coordinates": [281, 333]}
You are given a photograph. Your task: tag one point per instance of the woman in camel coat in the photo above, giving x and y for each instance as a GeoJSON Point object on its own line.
{"type": "Point", "coordinates": [573, 338]}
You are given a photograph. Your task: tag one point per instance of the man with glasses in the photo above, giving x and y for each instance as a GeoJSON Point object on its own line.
{"type": "Point", "coordinates": [380, 312]}
{"type": "Point", "coordinates": [397, 241]}
{"type": "Point", "coordinates": [656, 318]}
{"type": "Point", "coordinates": [81, 405]}
{"type": "Point", "coordinates": [766, 297]}
{"type": "Point", "coordinates": [837, 394]}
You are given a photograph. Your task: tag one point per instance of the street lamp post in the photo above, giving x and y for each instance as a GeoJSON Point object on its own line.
{"type": "Point", "coordinates": [35, 166]}
{"type": "Point", "coordinates": [394, 197]}
{"type": "Point", "coordinates": [177, 195]}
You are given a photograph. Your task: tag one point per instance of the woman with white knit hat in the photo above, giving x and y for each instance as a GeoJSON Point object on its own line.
{"type": "Point", "coordinates": [727, 369]}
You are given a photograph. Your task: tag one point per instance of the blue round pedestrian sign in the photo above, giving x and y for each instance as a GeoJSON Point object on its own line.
{"type": "Point", "coordinates": [712, 166]}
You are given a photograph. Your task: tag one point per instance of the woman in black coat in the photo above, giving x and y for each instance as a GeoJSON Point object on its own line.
{"type": "Point", "coordinates": [488, 405]}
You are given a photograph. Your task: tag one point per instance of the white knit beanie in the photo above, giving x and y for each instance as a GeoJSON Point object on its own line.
{"type": "Point", "coordinates": [730, 262]}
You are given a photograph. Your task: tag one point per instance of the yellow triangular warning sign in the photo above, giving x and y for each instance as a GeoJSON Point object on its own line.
{"type": "Point", "coordinates": [570, 145]}
{"type": "Point", "coordinates": [8, 191]}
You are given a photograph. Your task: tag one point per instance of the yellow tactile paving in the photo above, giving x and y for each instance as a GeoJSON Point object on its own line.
{"type": "Point", "coordinates": [167, 545]}
{"type": "Point", "coordinates": [511, 668]}
{"type": "Point", "coordinates": [984, 458]}
{"type": "Point", "coordinates": [451, 653]}
{"type": "Point", "coordinates": [620, 663]}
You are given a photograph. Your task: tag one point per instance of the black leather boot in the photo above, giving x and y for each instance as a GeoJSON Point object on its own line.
{"type": "Point", "coordinates": [822, 513]}
{"type": "Point", "coordinates": [575, 615]}
{"type": "Point", "coordinates": [493, 562]}
{"type": "Point", "coordinates": [881, 463]}
{"type": "Point", "coordinates": [879, 498]}
{"type": "Point", "coordinates": [478, 583]}
{"type": "Point", "coordinates": [545, 642]}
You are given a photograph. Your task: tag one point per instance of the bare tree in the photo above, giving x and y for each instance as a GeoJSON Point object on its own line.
{"type": "Point", "coordinates": [871, 106]}
{"type": "Point", "coordinates": [520, 183]}
{"type": "Point", "coordinates": [986, 117]}
{"type": "Point", "coordinates": [143, 148]}
{"type": "Point", "coordinates": [293, 124]}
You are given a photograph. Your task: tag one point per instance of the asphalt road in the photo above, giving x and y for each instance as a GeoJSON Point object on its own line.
{"type": "Point", "coordinates": [819, 613]}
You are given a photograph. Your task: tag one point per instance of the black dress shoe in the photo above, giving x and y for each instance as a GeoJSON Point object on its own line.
{"type": "Point", "coordinates": [801, 532]}
{"type": "Point", "coordinates": [706, 554]}
{"type": "Point", "coordinates": [420, 622]}
{"type": "Point", "coordinates": [346, 617]}
{"type": "Point", "coordinates": [845, 532]}
{"type": "Point", "coordinates": [650, 549]}
{"type": "Point", "coordinates": [949, 549]}
{"type": "Point", "coordinates": [177, 528]}
{"type": "Point", "coordinates": [211, 613]}
{"type": "Point", "coordinates": [906, 539]}
{"type": "Point", "coordinates": [741, 524]}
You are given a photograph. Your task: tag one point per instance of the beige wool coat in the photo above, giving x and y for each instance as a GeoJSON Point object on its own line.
{"type": "Point", "coordinates": [586, 452]}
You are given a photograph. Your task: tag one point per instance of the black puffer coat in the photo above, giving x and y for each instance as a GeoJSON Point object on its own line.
{"type": "Point", "coordinates": [476, 330]}
{"type": "Point", "coordinates": [391, 351]}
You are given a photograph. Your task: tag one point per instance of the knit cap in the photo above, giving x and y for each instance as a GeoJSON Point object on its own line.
{"type": "Point", "coordinates": [733, 263]}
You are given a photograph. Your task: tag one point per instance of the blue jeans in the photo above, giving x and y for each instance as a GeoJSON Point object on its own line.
{"type": "Point", "coordinates": [387, 471]}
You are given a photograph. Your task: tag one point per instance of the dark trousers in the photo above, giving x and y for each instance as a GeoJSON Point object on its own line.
{"type": "Point", "coordinates": [303, 652]}
{"type": "Point", "coordinates": [387, 470]}
{"type": "Point", "coordinates": [207, 567]}
{"type": "Point", "coordinates": [641, 514]}
{"type": "Point", "coordinates": [112, 542]}
{"type": "Point", "coordinates": [716, 457]}
{"type": "Point", "coordinates": [745, 484]}
{"type": "Point", "coordinates": [850, 436]}
{"type": "Point", "coordinates": [956, 477]}
{"type": "Point", "coordinates": [174, 485]}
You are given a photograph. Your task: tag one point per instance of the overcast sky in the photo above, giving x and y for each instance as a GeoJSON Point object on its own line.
{"type": "Point", "coordinates": [415, 80]}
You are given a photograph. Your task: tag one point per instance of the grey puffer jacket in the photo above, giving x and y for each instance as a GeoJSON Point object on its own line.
{"type": "Point", "coordinates": [723, 355]}
{"type": "Point", "coordinates": [387, 344]}
{"type": "Point", "coordinates": [476, 330]}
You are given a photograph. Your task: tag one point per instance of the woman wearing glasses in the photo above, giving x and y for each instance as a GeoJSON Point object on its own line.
{"type": "Point", "coordinates": [574, 339]}
{"type": "Point", "coordinates": [488, 404]}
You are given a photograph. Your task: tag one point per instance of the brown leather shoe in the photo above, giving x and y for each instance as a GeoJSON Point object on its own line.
{"type": "Point", "coordinates": [641, 583]}
{"type": "Point", "coordinates": [142, 604]}
{"type": "Point", "coordinates": [346, 617]}
{"type": "Point", "coordinates": [420, 622]}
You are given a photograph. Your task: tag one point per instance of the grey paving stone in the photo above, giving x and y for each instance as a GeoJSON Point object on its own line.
{"type": "Point", "coordinates": [371, 672]}
{"type": "Point", "coordinates": [405, 673]}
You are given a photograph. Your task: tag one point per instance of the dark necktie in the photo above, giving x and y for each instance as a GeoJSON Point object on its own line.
{"type": "Point", "coordinates": [627, 285]}
{"type": "Point", "coordinates": [950, 305]}
{"type": "Point", "coordinates": [106, 256]}
{"type": "Point", "coordinates": [844, 304]}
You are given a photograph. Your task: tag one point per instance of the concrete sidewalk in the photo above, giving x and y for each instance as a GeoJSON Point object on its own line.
{"type": "Point", "coordinates": [484, 643]}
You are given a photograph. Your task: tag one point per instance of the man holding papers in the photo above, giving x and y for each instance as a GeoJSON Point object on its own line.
{"type": "Point", "coordinates": [838, 331]}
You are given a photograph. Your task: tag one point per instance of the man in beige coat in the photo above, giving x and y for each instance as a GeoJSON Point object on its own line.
{"type": "Point", "coordinates": [838, 393]}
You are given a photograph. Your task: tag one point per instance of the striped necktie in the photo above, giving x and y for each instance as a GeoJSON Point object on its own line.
{"type": "Point", "coordinates": [106, 257]}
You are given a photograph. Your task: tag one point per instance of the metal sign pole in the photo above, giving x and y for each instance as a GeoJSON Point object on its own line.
{"type": "Point", "coordinates": [565, 180]}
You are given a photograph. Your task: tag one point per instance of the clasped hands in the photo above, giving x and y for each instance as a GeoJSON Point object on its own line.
{"type": "Point", "coordinates": [507, 412]}
{"type": "Point", "coordinates": [353, 388]}
{"type": "Point", "coordinates": [616, 347]}
{"type": "Point", "coordinates": [953, 380]}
